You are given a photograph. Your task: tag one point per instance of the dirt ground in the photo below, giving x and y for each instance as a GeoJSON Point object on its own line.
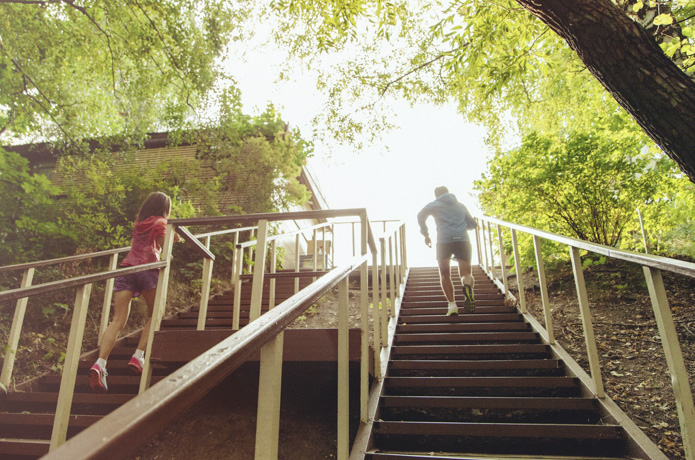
{"type": "Point", "coordinates": [633, 364]}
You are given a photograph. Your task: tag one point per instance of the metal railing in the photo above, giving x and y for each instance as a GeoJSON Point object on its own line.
{"type": "Point", "coordinates": [172, 395]}
{"type": "Point", "coordinates": [652, 267]}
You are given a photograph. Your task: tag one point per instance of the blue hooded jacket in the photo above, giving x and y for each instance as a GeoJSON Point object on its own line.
{"type": "Point", "coordinates": [451, 217]}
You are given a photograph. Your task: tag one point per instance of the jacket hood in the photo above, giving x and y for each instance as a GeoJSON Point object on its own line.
{"type": "Point", "coordinates": [447, 198]}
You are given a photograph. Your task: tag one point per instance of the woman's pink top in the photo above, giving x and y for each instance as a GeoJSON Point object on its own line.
{"type": "Point", "coordinates": [144, 248]}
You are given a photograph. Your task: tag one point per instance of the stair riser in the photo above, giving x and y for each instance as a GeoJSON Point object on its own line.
{"type": "Point", "coordinates": [489, 415]}
{"type": "Point", "coordinates": [498, 445]}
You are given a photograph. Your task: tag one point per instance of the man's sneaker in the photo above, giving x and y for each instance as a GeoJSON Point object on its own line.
{"type": "Point", "coordinates": [453, 310]}
{"type": "Point", "coordinates": [468, 300]}
{"type": "Point", "coordinates": [97, 379]}
{"type": "Point", "coordinates": [135, 364]}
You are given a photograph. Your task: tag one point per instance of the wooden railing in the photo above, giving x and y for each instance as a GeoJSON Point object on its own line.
{"type": "Point", "coordinates": [173, 395]}
{"type": "Point", "coordinates": [652, 267]}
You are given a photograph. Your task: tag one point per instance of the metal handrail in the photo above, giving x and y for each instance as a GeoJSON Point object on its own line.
{"type": "Point", "coordinates": [649, 260]}
{"type": "Point", "coordinates": [652, 266]}
{"type": "Point", "coordinates": [132, 424]}
{"type": "Point", "coordinates": [44, 263]}
{"type": "Point", "coordinates": [52, 286]}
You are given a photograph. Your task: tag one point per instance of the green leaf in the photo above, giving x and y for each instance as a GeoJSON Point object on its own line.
{"type": "Point", "coordinates": [663, 20]}
{"type": "Point", "coordinates": [637, 6]}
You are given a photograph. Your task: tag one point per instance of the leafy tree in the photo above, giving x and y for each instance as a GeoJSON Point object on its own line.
{"type": "Point", "coordinates": [586, 186]}
{"type": "Point", "coordinates": [496, 57]}
{"type": "Point", "coordinates": [71, 69]}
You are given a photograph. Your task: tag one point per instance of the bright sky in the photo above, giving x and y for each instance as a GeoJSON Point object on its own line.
{"type": "Point", "coordinates": [433, 146]}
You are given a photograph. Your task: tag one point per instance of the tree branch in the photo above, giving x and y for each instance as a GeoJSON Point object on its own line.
{"type": "Point", "coordinates": [417, 69]}
{"type": "Point", "coordinates": [106, 34]}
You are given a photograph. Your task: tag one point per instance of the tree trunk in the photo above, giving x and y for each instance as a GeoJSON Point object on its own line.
{"type": "Point", "coordinates": [632, 67]}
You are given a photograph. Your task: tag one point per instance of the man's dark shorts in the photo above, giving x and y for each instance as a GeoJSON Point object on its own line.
{"type": "Point", "coordinates": [460, 250]}
{"type": "Point", "coordinates": [137, 282]}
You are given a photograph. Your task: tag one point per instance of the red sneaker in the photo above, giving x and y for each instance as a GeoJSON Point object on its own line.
{"type": "Point", "coordinates": [135, 364]}
{"type": "Point", "coordinates": [97, 379]}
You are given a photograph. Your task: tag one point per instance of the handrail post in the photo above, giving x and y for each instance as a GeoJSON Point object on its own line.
{"type": "Point", "coordinates": [332, 246]}
{"type": "Point", "coordinates": [492, 250]}
{"type": "Point", "coordinates": [674, 358]}
{"type": "Point", "coordinates": [297, 261]}
{"type": "Point", "coordinates": [15, 331]}
{"type": "Point", "coordinates": [484, 243]}
{"type": "Point", "coordinates": [376, 314]}
{"type": "Point", "coordinates": [205, 289]}
{"type": "Point", "coordinates": [354, 246]}
{"type": "Point", "coordinates": [477, 241]}
{"type": "Point", "coordinates": [314, 248]}
{"type": "Point", "coordinates": [235, 271]}
{"type": "Point", "coordinates": [258, 271]}
{"type": "Point", "coordinates": [251, 247]}
{"type": "Point", "coordinates": [343, 372]}
{"type": "Point", "coordinates": [269, 378]}
{"type": "Point", "coordinates": [405, 252]}
{"type": "Point", "coordinates": [583, 300]}
{"type": "Point", "coordinates": [364, 324]}
{"type": "Point", "coordinates": [323, 248]}
{"type": "Point", "coordinates": [159, 308]}
{"type": "Point", "coordinates": [396, 265]}
{"type": "Point", "coordinates": [392, 284]}
{"type": "Point", "coordinates": [544, 290]}
{"type": "Point", "coordinates": [519, 277]}
{"type": "Point", "coordinates": [503, 261]}
{"type": "Point", "coordinates": [383, 287]}
{"type": "Point", "coordinates": [72, 360]}
{"type": "Point", "coordinates": [273, 269]}
{"type": "Point", "coordinates": [236, 309]}
{"type": "Point", "coordinates": [108, 295]}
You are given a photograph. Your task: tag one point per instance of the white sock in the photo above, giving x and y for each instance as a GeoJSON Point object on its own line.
{"type": "Point", "coordinates": [452, 305]}
{"type": "Point", "coordinates": [102, 363]}
{"type": "Point", "coordinates": [140, 354]}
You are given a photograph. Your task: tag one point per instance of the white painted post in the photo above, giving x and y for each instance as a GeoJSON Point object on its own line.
{"type": "Point", "coordinates": [108, 295]}
{"type": "Point", "coordinates": [674, 358]}
{"type": "Point", "coordinates": [314, 247]}
{"type": "Point", "coordinates": [273, 269]}
{"type": "Point", "coordinates": [159, 308]}
{"type": "Point", "coordinates": [519, 277]}
{"type": "Point", "coordinates": [205, 289]}
{"type": "Point", "coordinates": [396, 266]}
{"type": "Point", "coordinates": [544, 290]}
{"type": "Point", "coordinates": [376, 315]}
{"type": "Point", "coordinates": [583, 299]}
{"type": "Point", "coordinates": [392, 281]}
{"type": "Point", "coordinates": [364, 325]}
{"type": "Point", "coordinates": [644, 233]}
{"type": "Point", "coordinates": [72, 360]}
{"type": "Point", "coordinates": [269, 381]}
{"type": "Point", "coordinates": [484, 245]}
{"type": "Point", "coordinates": [269, 395]}
{"type": "Point", "coordinates": [235, 256]}
{"type": "Point", "coordinates": [258, 271]}
{"type": "Point", "coordinates": [405, 252]}
{"type": "Point", "coordinates": [354, 247]}
{"type": "Point", "coordinates": [383, 288]}
{"type": "Point", "coordinates": [492, 250]}
{"type": "Point", "coordinates": [343, 372]}
{"type": "Point", "coordinates": [297, 261]}
{"type": "Point", "coordinates": [477, 241]}
{"type": "Point", "coordinates": [251, 247]}
{"type": "Point", "coordinates": [16, 331]}
{"type": "Point", "coordinates": [503, 261]}
{"type": "Point", "coordinates": [236, 312]}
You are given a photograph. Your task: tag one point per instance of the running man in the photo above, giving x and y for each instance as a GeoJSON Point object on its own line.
{"type": "Point", "coordinates": [453, 222]}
